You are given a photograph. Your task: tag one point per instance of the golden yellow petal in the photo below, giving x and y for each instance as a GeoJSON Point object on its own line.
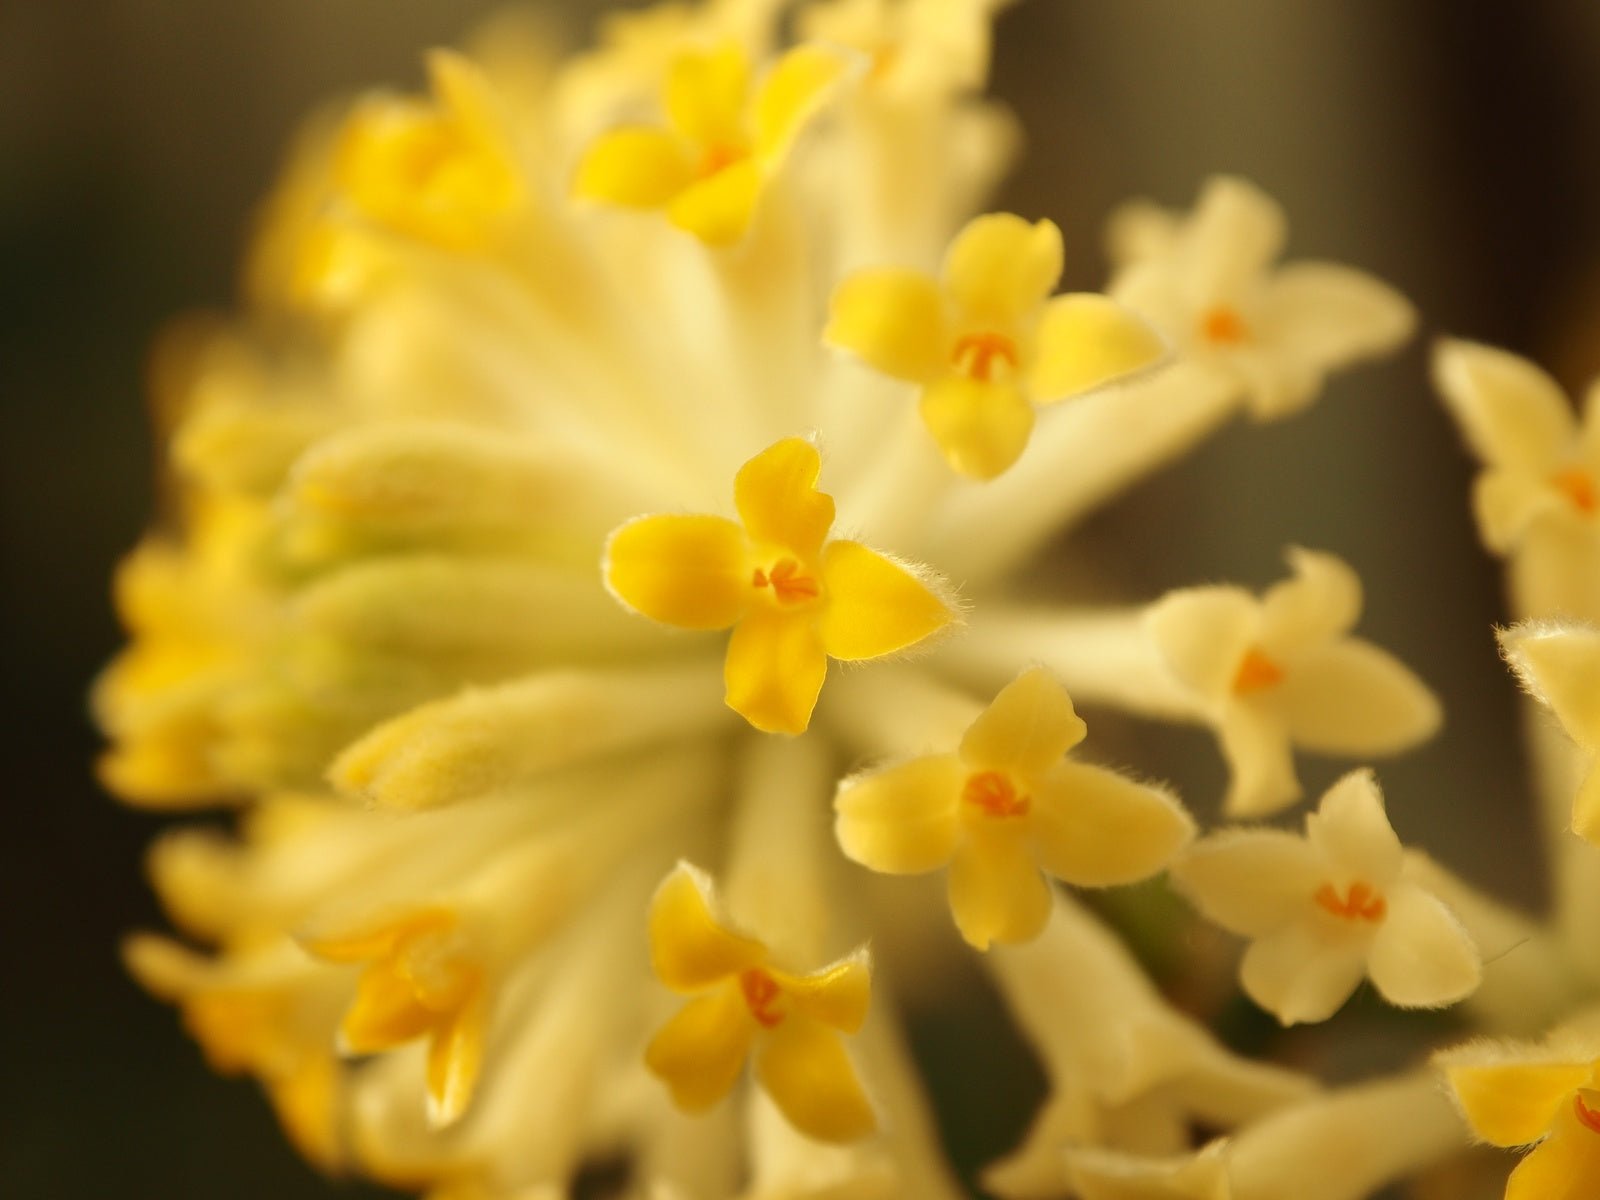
{"type": "Point", "coordinates": [688, 571]}
{"type": "Point", "coordinates": [838, 995]}
{"type": "Point", "coordinates": [791, 93]}
{"type": "Point", "coordinates": [874, 605]}
{"type": "Point", "coordinates": [778, 501]}
{"type": "Point", "coordinates": [718, 208]}
{"type": "Point", "coordinates": [996, 892]}
{"type": "Point", "coordinates": [705, 95]}
{"type": "Point", "coordinates": [1514, 1103]}
{"type": "Point", "coordinates": [892, 319]}
{"type": "Point", "coordinates": [1566, 1166]}
{"type": "Point", "coordinates": [386, 1011]}
{"type": "Point", "coordinates": [774, 670]}
{"type": "Point", "coordinates": [1001, 267]}
{"type": "Point", "coordinates": [636, 167]}
{"type": "Point", "coordinates": [1027, 728]}
{"type": "Point", "coordinates": [803, 1066]}
{"type": "Point", "coordinates": [982, 426]}
{"type": "Point", "coordinates": [1084, 341]}
{"type": "Point", "coordinates": [700, 1052]}
{"type": "Point", "coordinates": [902, 819]}
{"type": "Point", "coordinates": [690, 949]}
{"type": "Point", "coordinates": [455, 1060]}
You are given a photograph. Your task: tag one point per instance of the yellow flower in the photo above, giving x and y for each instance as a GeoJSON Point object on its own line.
{"type": "Point", "coordinates": [1003, 802]}
{"type": "Point", "coordinates": [1548, 1093]}
{"type": "Point", "coordinates": [985, 342]}
{"type": "Point", "coordinates": [1560, 667]}
{"type": "Point", "coordinates": [723, 139]}
{"type": "Point", "coordinates": [793, 599]}
{"type": "Point", "coordinates": [743, 1001]}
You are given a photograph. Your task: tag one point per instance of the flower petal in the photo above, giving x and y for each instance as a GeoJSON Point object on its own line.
{"type": "Point", "coordinates": [1330, 315]}
{"type": "Point", "coordinates": [1566, 1166]}
{"type": "Point", "coordinates": [893, 320]}
{"type": "Point", "coordinates": [803, 1066]}
{"type": "Point", "coordinates": [838, 995]}
{"type": "Point", "coordinates": [791, 93]}
{"type": "Point", "coordinates": [1510, 1100]}
{"type": "Point", "coordinates": [1560, 666]}
{"type": "Point", "coordinates": [717, 209]}
{"type": "Point", "coordinates": [700, 1052]}
{"type": "Point", "coordinates": [1027, 728]}
{"type": "Point", "coordinates": [778, 501]}
{"type": "Point", "coordinates": [1351, 830]}
{"type": "Point", "coordinates": [1084, 341]}
{"type": "Point", "coordinates": [688, 571]}
{"type": "Point", "coordinates": [455, 1060]}
{"type": "Point", "coordinates": [1512, 413]}
{"type": "Point", "coordinates": [1506, 501]}
{"type": "Point", "coordinates": [1299, 976]}
{"type": "Point", "coordinates": [1001, 267]}
{"type": "Point", "coordinates": [1255, 741]}
{"type": "Point", "coordinates": [1203, 634]}
{"type": "Point", "coordinates": [1351, 697]}
{"type": "Point", "coordinates": [774, 670]}
{"type": "Point", "coordinates": [690, 948]}
{"type": "Point", "coordinates": [1320, 601]}
{"type": "Point", "coordinates": [901, 820]}
{"type": "Point", "coordinates": [981, 425]}
{"type": "Point", "coordinates": [996, 891]}
{"type": "Point", "coordinates": [636, 167]}
{"type": "Point", "coordinates": [1095, 828]}
{"type": "Point", "coordinates": [1237, 231]}
{"type": "Point", "coordinates": [1251, 881]}
{"type": "Point", "coordinates": [705, 95]}
{"type": "Point", "coordinates": [1421, 956]}
{"type": "Point", "coordinates": [875, 606]}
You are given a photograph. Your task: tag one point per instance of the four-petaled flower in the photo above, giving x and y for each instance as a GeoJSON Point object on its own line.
{"type": "Point", "coordinates": [1208, 282]}
{"type": "Point", "coordinates": [986, 342]}
{"type": "Point", "coordinates": [1544, 1094]}
{"type": "Point", "coordinates": [722, 141]}
{"type": "Point", "coordinates": [1280, 671]}
{"type": "Point", "coordinates": [744, 1001]}
{"type": "Point", "coordinates": [793, 599]}
{"type": "Point", "coordinates": [1006, 805]}
{"type": "Point", "coordinates": [1560, 666]}
{"type": "Point", "coordinates": [419, 981]}
{"type": "Point", "coordinates": [1329, 908]}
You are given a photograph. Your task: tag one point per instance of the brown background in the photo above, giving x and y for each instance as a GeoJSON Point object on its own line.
{"type": "Point", "coordinates": [1452, 154]}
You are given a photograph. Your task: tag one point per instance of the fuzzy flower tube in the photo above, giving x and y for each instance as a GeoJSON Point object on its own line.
{"type": "Point", "coordinates": [587, 584]}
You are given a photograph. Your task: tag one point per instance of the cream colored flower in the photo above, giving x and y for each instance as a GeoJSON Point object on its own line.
{"type": "Point", "coordinates": [1328, 909]}
{"type": "Point", "coordinates": [1281, 671]}
{"type": "Point", "coordinates": [1560, 666]}
{"type": "Point", "coordinates": [1210, 283]}
{"type": "Point", "coordinates": [1004, 809]}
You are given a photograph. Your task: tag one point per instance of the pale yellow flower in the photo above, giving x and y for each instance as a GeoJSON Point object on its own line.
{"type": "Point", "coordinates": [1559, 664]}
{"type": "Point", "coordinates": [1004, 809]}
{"type": "Point", "coordinates": [1329, 909]}
{"type": "Point", "coordinates": [986, 341]}
{"type": "Point", "coordinates": [1282, 671]}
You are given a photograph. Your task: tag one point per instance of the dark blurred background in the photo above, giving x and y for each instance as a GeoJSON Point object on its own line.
{"type": "Point", "coordinates": [1449, 150]}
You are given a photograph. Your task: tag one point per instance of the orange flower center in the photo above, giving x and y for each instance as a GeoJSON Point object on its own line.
{"type": "Point", "coordinates": [1256, 672]}
{"type": "Point", "coordinates": [788, 583]}
{"type": "Point", "coordinates": [1361, 902]}
{"type": "Point", "coordinates": [1223, 326]}
{"type": "Point", "coordinates": [995, 794]}
{"type": "Point", "coordinates": [761, 996]}
{"type": "Point", "coordinates": [1578, 486]}
{"type": "Point", "coordinates": [1586, 1114]}
{"type": "Point", "coordinates": [719, 156]}
{"type": "Point", "coordinates": [980, 355]}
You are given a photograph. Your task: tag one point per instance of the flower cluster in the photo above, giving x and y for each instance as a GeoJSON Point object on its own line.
{"type": "Point", "coordinates": [585, 412]}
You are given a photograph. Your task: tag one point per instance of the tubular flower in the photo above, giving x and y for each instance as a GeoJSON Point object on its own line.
{"type": "Point", "coordinates": [1272, 334]}
{"type": "Point", "coordinates": [744, 1000]}
{"type": "Point", "coordinates": [1559, 665]}
{"type": "Point", "coordinates": [986, 342]}
{"type": "Point", "coordinates": [723, 139]}
{"type": "Point", "coordinates": [1328, 909]}
{"type": "Point", "coordinates": [793, 598]}
{"type": "Point", "coordinates": [1004, 807]}
{"type": "Point", "coordinates": [1543, 1094]}
{"type": "Point", "coordinates": [1280, 671]}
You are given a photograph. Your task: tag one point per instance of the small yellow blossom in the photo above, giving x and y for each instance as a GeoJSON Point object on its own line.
{"type": "Point", "coordinates": [418, 982]}
{"type": "Point", "coordinates": [1281, 671]}
{"type": "Point", "coordinates": [986, 342]}
{"type": "Point", "coordinates": [793, 598]}
{"type": "Point", "coordinates": [1560, 666]}
{"type": "Point", "coordinates": [1209, 283]}
{"type": "Point", "coordinates": [744, 1001]}
{"type": "Point", "coordinates": [1004, 807]}
{"type": "Point", "coordinates": [723, 139]}
{"type": "Point", "coordinates": [1328, 909]}
{"type": "Point", "coordinates": [1545, 1094]}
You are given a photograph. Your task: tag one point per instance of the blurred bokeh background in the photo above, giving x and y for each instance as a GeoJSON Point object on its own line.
{"type": "Point", "coordinates": [1449, 150]}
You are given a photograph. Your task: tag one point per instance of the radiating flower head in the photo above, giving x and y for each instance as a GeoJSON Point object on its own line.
{"type": "Point", "coordinates": [1329, 909]}
{"type": "Point", "coordinates": [1283, 671]}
